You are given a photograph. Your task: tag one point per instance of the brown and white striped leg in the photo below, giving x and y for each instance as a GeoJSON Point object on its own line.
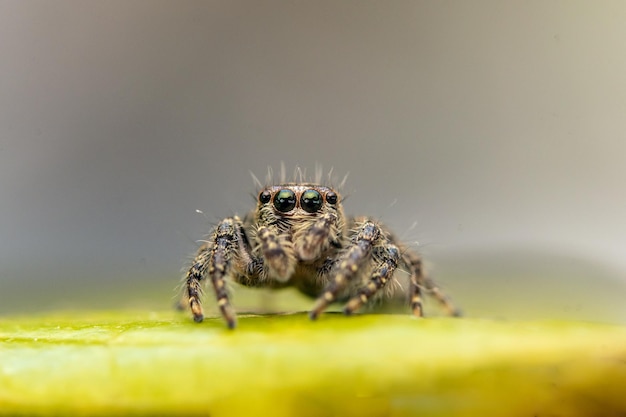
{"type": "Point", "coordinates": [433, 290]}
{"type": "Point", "coordinates": [312, 241]}
{"type": "Point", "coordinates": [414, 262]}
{"type": "Point", "coordinates": [420, 281]}
{"type": "Point", "coordinates": [277, 252]}
{"type": "Point", "coordinates": [380, 277]}
{"type": "Point", "coordinates": [193, 281]}
{"type": "Point", "coordinates": [221, 259]}
{"type": "Point", "coordinates": [357, 253]}
{"type": "Point", "coordinates": [215, 259]}
{"type": "Point", "coordinates": [415, 299]}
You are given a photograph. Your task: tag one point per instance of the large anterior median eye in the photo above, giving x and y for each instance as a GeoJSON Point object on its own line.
{"type": "Point", "coordinates": [311, 201]}
{"type": "Point", "coordinates": [285, 200]}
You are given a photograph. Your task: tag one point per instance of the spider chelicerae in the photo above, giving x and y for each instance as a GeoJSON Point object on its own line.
{"type": "Point", "coordinates": [299, 236]}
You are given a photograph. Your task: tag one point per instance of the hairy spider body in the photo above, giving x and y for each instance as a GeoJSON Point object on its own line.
{"type": "Point", "coordinates": [299, 236]}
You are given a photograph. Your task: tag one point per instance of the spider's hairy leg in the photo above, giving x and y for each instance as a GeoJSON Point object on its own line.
{"type": "Point", "coordinates": [312, 241]}
{"type": "Point", "coordinates": [358, 252]}
{"type": "Point", "coordinates": [277, 252]}
{"type": "Point", "coordinates": [381, 275]}
{"type": "Point", "coordinates": [225, 244]}
{"type": "Point", "coordinates": [193, 280]}
{"type": "Point", "coordinates": [215, 259]}
{"type": "Point", "coordinates": [433, 290]}
{"type": "Point", "coordinates": [418, 281]}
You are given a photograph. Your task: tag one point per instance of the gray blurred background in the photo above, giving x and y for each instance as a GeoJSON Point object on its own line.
{"type": "Point", "coordinates": [492, 133]}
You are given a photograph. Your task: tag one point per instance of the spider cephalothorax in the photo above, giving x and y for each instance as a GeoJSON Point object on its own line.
{"type": "Point", "coordinates": [299, 236]}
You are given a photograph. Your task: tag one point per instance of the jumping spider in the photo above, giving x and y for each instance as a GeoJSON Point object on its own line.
{"type": "Point", "coordinates": [299, 236]}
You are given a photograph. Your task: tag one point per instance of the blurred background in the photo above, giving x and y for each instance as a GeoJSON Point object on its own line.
{"type": "Point", "coordinates": [491, 133]}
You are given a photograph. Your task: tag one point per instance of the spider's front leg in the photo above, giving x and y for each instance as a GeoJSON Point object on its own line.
{"type": "Point", "coordinates": [389, 256]}
{"type": "Point", "coordinates": [216, 258]}
{"type": "Point", "coordinates": [368, 238]}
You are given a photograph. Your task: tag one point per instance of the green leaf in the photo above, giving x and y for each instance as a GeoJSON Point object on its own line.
{"type": "Point", "coordinates": [123, 363]}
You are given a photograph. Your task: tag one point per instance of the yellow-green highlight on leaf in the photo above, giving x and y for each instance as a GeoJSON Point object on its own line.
{"type": "Point", "coordinates": [125, 363]}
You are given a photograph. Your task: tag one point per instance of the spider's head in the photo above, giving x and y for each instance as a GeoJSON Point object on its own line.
{"type": "Point", "coordinates": [306, 217]}
{"type": "Point", "coordinates": [298, 200]}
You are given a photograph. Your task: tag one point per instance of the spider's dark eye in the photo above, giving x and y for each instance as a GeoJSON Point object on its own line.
{"type": "Point", "coordinates": [311, 201]}
{"type": "Point", "coordinates": [265, 197]}
{"type": "Point", "coordinates": [285, 200]}
{"type": "Point", "coordinates": [331, 197]}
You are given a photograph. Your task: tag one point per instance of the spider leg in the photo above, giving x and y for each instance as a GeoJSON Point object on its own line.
{"type": "Point", "coordinates": [216, 260]}
{"type": "Point", "coordinates": [312, 241]}
{"type": "Point", "coordinates": [418, 281]}
{"type": "Point", "coordinates": [278, 253]}
{"type": "Point", "coordinates": [193, 281]}
{"type": "Point", "coordinates": [380, 276]}
{"type": "Point", "coordinates": [358, 252]}
{"type": "Point", "coordinates": [433, 290]}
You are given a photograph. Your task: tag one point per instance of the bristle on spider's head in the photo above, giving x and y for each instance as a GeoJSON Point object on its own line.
{"type": "Point", "coordinates": [300, 176]}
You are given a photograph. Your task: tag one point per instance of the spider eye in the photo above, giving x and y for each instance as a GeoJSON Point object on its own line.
{"type": "Point", "coordinates": [331, 197]}
{"type": "Point", "coordinates": [265, 197]}
{"type": "Point", "coordinates": [311, 201]}
{"type": "Point", "coordinates": [285, 200]}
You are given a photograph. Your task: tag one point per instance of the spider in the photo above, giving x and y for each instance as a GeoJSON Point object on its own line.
{"type": "Point", "coordinates": [299, 236]}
